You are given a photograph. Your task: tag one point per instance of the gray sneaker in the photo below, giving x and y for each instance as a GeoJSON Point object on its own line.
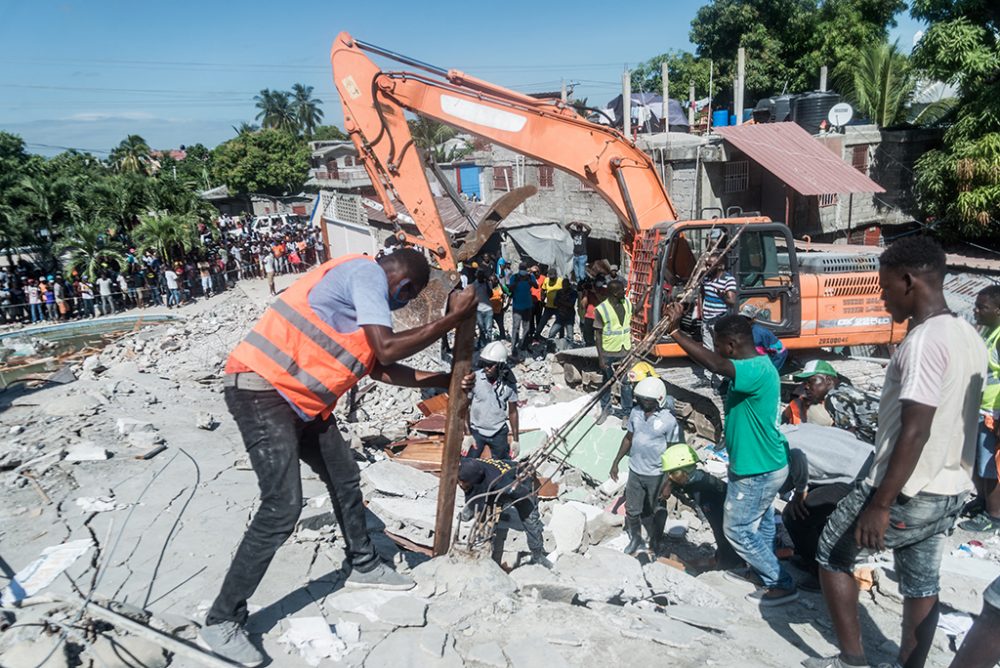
{"type": "Point", "coordinates": [826, 662]}
{"type": "Point", "coordinates": [230, 641]}
{"type": "Point", "coordinates": [380, 577]}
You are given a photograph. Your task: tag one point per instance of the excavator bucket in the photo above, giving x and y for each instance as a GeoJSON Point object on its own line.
{"type": "Point", "coordinates": [430, 303]}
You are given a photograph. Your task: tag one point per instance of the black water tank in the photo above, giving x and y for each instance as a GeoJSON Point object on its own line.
{"type": "Point", "coordinates": [773, 109]}
{"type": "Point", "coordinates": [809, 110]}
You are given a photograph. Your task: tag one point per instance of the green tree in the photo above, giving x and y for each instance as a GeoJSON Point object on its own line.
{"type": "Point", "coordinates": [306, 109]}
{"type": "Point", "coordinates": [683, 67]}
{"type": "Point", "coordinates": [880, 84]}
{"type": "Point", "coordinates": [132, 156]}
{"type": "Point", "coordinates": [958, 186]}
{"type": "Point", "coordinates": [121, 198]}
{"type": "Point", "coordinates": [88, 247]}
{"type": "Point", "coordinates": [328, 133]}
{"type": "Point", "coordinates": [786, 40]}
{"type": "Point", "coordinates": [170, 236]}
{"type": "Point", "coordinates": [276, 111]}
{"type": "Point", "coordinates": [269, 161]}
{"type": "Point", "coordinates": [245, 128]}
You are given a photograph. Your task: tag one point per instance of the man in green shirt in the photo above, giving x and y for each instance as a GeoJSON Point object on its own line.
{"type": "Point", "coordinates": [758, 451]}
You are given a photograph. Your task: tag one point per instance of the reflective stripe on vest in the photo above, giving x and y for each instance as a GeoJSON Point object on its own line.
{"type": "Point", "coordinates": [304, 358]}
{"type": "Point", "coordinates": [991, 391]}
{"type": "Point", "coordinates": [617, 334]}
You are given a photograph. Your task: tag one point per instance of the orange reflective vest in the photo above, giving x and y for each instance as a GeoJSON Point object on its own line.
{"type": "Point", "coordinates": [305, 359]}
{"type": "Point", "coordinates": [796, 412]}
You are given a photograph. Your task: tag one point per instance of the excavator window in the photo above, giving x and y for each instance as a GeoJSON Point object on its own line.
{"type": "Point", "coordinates": [762, 277]}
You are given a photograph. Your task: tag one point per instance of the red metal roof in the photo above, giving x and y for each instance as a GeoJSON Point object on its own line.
{"type": "Point", "coordinates": [795, 157]}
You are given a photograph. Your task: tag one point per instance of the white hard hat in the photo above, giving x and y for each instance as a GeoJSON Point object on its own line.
{"type": "Point", "coordinates": [494, 352]}
{"type": "Point", "coordinates": [652, 388]}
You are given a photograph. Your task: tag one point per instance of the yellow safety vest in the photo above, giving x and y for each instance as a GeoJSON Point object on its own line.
{"type": "Point", "coordinates": [617, 334]}
{"type": "Point", "coordinates": [991, 391]}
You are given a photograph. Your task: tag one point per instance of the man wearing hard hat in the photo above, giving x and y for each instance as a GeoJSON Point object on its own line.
{"type": "Point", "coordinates": [650, 428]}
{"type": "Point", "coordinates": [492, 417]}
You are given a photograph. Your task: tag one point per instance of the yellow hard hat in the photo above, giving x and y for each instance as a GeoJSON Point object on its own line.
{"type": "Point", "coordinates": [678, 456]}
{"type": "Point", "coordinates": [641, 371]}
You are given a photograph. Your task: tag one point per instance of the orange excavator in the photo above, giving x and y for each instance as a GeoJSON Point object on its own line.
{"type": "Point", "coordinates": [808, 300]}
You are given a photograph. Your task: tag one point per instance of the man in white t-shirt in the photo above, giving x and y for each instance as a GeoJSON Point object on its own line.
{"type": "Point", "coordinates": [173, 288]}
{"type": "Point", "coordinates": [104, 290]}
{"type": "Point", "coordinates": [924, 451]}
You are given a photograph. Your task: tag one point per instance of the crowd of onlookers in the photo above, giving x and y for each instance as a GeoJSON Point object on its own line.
{"type": "Point", "coordinates": [238, 248]}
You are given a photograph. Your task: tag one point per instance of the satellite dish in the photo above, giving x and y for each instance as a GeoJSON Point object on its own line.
{"type": "Point", "coordinates": [840, 114]}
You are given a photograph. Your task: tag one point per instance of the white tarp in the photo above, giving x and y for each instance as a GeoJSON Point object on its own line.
{"type": "Point", "coordinates": [548, 244]}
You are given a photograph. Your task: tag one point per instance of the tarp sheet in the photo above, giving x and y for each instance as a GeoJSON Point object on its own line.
{"type": "Point", "coordinates": [546, 244]}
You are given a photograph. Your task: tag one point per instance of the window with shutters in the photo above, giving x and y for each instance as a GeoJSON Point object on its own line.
{"type": "Point", "coordinates": [828, 200]}
{"type": "Point", "coordinates": [503, 178]}
{"type": "Point", "coordinates": [737, 176]}
{"type": "Point", "coordinates": [859, 158]}
{"type": "Point", "coordinates": [546, 176]}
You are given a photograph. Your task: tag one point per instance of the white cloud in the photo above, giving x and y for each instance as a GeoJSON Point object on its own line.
{"type": "Point", "coordinates": [94, 116]}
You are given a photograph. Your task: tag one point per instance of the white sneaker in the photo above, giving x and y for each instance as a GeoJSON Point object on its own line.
{"type": "Point", "coordinates": [230, 641]}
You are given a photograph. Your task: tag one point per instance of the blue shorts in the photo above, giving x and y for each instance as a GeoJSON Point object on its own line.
{"type": "Point", "coordinates": [917, 528]}
{"type": "Point", "coordinates": [986, 452]}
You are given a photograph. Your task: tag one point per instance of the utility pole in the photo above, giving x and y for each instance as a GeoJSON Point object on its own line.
{"type": "Point", "coordinates": [562, 93]}
{"type": "Point", "coordinates": [711, 85]}
{"type": "Point", "coordinates": [665, 77]}
{"type": "Point", "coordinates": [627, 104]}
{"type": "Point", "coordinates": [822, 78]}
{"type": "Point", "coordinates": [691, 102]}
{"type": "Point", "coordinates": [740, 84]}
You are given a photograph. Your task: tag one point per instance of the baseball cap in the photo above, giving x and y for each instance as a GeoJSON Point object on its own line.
{"type": "Point", "coordinates": [815, 368]}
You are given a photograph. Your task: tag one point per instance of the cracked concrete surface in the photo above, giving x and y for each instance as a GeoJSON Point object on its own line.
{"type": "Point", "coordinates": [182, 514]}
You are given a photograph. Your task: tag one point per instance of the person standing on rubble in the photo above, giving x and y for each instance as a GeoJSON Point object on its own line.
{"type": "Point", "coordinates": [613, 335]}
{"type": "Point", "coordinates": [651, 428]}
{"type": "Point", "coordinates": [325, 333]}
{"type": "Point", "coordinates": [758, 452]}
{"type": "Point", "coordinates": [924, 449]}
{"type": "Point", "coordinates": [492, 417]}
{"type": "Point", "coordinates": [579, 233]}
{"type": "Point", "coordinates": [987, 464]}
{"type": "Point", "coordinates": [491, 485]}
{"type": "Point", "coordinates": [521, 286]}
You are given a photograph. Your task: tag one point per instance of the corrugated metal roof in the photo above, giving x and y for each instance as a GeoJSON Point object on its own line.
{"type": "Point", "coordinates": [795, 157]}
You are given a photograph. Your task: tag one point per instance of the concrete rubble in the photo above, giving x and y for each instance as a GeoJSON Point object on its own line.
{"type": "Point", "coordinates": [157, 535]}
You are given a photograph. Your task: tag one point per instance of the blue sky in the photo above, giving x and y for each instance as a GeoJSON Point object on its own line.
{"type": "Point", "coordinates": [85, 74]}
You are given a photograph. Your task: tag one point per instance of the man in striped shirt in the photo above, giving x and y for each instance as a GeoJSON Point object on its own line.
{"type": "Point", "coordinates": [718, 296]}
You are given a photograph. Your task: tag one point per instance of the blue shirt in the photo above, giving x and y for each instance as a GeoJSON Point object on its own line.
{"type": "Point", "coordinates": [352, 294]}
{"type": "Point", "coordinates": [520, 285]}
{"type": "Point", "coordinates": [650, 438]}
{"type": "Point", "coordinates": [768, 344]}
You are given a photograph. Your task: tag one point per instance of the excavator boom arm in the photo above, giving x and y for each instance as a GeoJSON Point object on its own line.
{"type": "Point", "coordinates": [374, 102]}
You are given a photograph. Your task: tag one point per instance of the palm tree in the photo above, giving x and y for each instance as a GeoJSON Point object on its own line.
{"type": "Point", "coordinates": [43, 203]}
{"type": "Point", "coordinates": [880, 83]}
{"type": "Point", "coordinates": [428, 133]}
{"type": "Point", "coordinates": [122, 198]}
{"type": "Point", "coordinates": [88, 246]}
{"type": "Point", "coordinates": [306, 109]}
{"type": "Point", "coordinates": [276, 110]}
{"type": "Point", "coordinates": [132, 155]}
{"type": "Point", "coordinates": [13, 231]}
{"type": "Point", "coordinates": [169, 235]}
{"type": "Point", "coordinates": [245, 128]}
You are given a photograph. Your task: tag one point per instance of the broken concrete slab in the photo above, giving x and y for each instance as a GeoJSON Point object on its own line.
{"type": "Point", "coordinates": [456, 574]}
{"type": "Point", "coordinates": [411, 518]}
{"type": "Point", "coordinates": [126, 652]}
{"type": "Point", "coordinates": [397, 651]}
{"type": "Point", "coordinates": [714, 618]}
{"type": "Point", "coordinates": [534, 652]}
{"type": "Point", "coordinates": [394, 479]}
{"type": "Point", "coordinates": [661, 629]}
{"type": "Point", "coordinates": [603, 575]}
{"type": "Point", "coordinates": [403, 611]}
{"type": "Point", "coordinates": [568, 526]}
{"type": "Point", "coordinates": [70, 405]}
{"type": "Point", "coordinates": [676, 586]}
{"type": "Point", "coordinates": [128, 425]}
{"type": "Point", "coordinates": [434, 640]}
{"type": "Point", "coordinates": [85, 451]}
{"type": "Point", "coordinates": [533, 580]}
{"type": "Point", "coordinates": [144, 439]}
{"type": "Point", "coordinates": [206, 421]}
{"type": "Point", "coordinates": [486, 655]}
{"type": "Point", "coordinates": [313, 640]}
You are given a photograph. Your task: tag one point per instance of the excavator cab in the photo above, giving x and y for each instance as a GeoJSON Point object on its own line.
{"type": "Point", "coordinates": [762, 261]}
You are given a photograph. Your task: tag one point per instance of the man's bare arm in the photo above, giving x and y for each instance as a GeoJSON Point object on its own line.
{"type": "Point", "coordinates": [404, 376]}
{"type": "Point", "coordinates": [391, 347]}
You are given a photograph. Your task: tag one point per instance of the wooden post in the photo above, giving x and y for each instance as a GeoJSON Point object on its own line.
{"type": "Point", "coordinates": [665, 78]}
{"type": "Point", "coordinates": [691, 102]}
{"type": "Point", "coordinates": [458, 408]}
{"type": "Point", "coordinates": [627, 104]}
{"type": "Point", "coordinates": [740, 84]}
